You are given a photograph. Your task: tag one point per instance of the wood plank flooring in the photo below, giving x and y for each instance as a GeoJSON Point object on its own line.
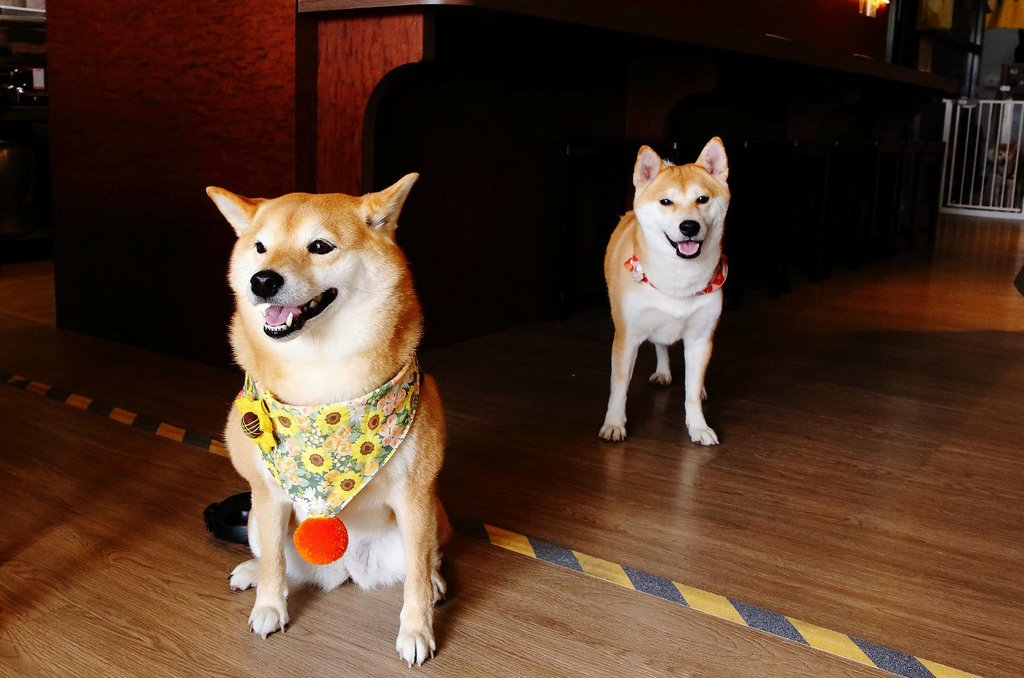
{"type": "Point", "coordinates": [27, 291]}
{"type": "Point", "coordinates": [869, 481]}
{"type": "Point", "coordinates": [871, 472]}
{"type": "Point", "coordinates": [104, 570]}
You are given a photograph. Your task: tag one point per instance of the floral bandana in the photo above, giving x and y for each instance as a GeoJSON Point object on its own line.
{"type": "Point", "coordinates": [717, 278]}
{"type": "Point", "coordinates": [323, 455]}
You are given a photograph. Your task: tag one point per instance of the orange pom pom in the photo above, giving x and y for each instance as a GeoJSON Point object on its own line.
{"type": "Point", "coordinates": [321, 540]}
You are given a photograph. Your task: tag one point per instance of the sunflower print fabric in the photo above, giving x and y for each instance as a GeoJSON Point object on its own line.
{"type": "Point", "coordinates": [323, 456]}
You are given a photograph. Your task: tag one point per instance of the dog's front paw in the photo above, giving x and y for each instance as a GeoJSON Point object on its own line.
{"type": "Point", "coordinates": [244, 576]}
{"type": "Point", "coordinates": [267, 618]}
{"type": "Point", "coordinates": [704, 435]}
{"type": "Point", "coordinates": [613, 432]}
{"type": "Point", "coordinates": [660, 379]}
{"type": "Point", "coordinates": [415, 645]}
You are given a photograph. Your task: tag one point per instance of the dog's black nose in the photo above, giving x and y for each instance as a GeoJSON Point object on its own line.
{"type": "Point", "coordinates": [689, 228]}
{"type": "Point", "coordinates": [266, 283]}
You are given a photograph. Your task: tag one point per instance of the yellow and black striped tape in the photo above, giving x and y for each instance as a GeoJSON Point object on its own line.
{"type": "Point", "coordinates": [203, 442]}
{"type": "Point", "coordinates": [832, 642]}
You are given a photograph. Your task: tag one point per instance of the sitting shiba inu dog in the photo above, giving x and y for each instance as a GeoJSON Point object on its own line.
{"type": "Point", "coordinates": [1002, 186]}
{"type": "Point", "coordinates": [664, 268]}
{"type": "Point", "coordinates": [327, 321]}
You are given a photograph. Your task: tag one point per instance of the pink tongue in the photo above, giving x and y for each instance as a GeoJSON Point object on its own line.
{"type": "Point", "coordinates": [278, 315]}
{"type": "Point", "coordinates": [689, 247]}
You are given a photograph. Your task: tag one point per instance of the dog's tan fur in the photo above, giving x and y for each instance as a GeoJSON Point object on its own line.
{"type": "Point", "coordinates": [669, 309]}
{"type": "Point", "coordinates": [396, 524]}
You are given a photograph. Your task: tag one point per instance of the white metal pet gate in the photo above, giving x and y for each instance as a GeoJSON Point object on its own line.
{"type": "Point", "coordinates": [983, 158]}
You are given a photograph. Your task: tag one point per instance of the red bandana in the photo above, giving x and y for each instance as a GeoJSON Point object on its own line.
{"type": "Point", "coordinates": [717, 278]}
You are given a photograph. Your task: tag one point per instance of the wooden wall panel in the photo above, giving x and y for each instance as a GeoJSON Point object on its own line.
{"type": "Point", "coordinates": [357, 51]}
{"type": "Point", "coordinates": [151, 102]}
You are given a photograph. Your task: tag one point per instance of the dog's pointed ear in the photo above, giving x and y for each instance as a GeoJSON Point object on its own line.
{"type": "Point", "coordinates": [648, 164]}
{"type": "Point", "coordinates": [237, 210]}
{"type": "Point", "coordinates": [381, 209]}
{"type": "Point", "coordinates": [713, 159]}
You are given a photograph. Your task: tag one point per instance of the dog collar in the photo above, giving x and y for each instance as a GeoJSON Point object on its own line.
{"type": "Point", "coordinates": [324, 455]}
{"type": "Point", "coordinates": [717, 278]}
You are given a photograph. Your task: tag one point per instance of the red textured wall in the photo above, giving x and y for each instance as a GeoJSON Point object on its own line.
{"type": "Point", "coordinates": [150, 103]}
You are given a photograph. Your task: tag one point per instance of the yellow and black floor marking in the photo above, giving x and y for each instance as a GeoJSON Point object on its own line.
{"type": "Point", "coordinates": [862, 651]}
{"type": "Point", "coordinates": [832, 642]}
{"type": "Point", "coordinates": [203, 442]}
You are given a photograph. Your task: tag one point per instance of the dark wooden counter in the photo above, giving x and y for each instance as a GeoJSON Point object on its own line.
{"type": "Point", "coordinates": [359, 43]}
{"type": "Point", "coordinates": [829, 35]}
{"type": "Point", "coordinates": [476, 95]}
{"type": "Point", "coordinates": [150, 106]}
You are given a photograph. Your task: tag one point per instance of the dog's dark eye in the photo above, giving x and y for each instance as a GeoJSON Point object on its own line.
{"type": "Point", "coordinates": [665, 201]}
{"type": "Point", "coordinates": [702, 199]}
{"type": "Point", "coordinates": [320, 247]}
{"type": "Point", "coordinates": [260, 248]}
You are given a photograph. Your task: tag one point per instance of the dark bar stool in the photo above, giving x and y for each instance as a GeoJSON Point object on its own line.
{"type": "Point", "coordinates": [830, 219]}
{"type": "Point", "coordinates": [856, 166]}
{"type": "Point", "coordinates": [896, 153]}
{"type": "Point", "coordinates": [933, 155]}
{"type": "Point", "coordinates": [864, 247]}
{"type": "Point", "coordinates": [917, 188]}
{"type": "Point", "coordinates": [808, 191]}
{"type": "Point", "coordinates": [761, 224]}
{"type": "Point", "coordinates": [780, 282]}
{"type": "Point", "coordinates": [913, 167]}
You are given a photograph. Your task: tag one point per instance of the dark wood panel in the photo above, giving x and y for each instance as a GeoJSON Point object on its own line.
{"type": "Point", "coordinates": [828, 33]}
{"type": "Point", "coordinates": [150, 103]}
{"type": "Point", "coordinates": [307, 59]}
{"type": "Point", "coordinates": [357, 52]}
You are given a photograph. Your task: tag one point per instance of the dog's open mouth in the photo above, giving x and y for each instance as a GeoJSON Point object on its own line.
{"type": "Point", "coordinates": [687, 249]}
{"type": "Point", "coordinates": [283, 321]}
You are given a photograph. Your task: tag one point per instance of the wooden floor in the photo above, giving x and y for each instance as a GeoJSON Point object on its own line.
{"type": "Point", "coordinates": [870, 480]}
{"type": "Point", "coordinates": [26, 290]}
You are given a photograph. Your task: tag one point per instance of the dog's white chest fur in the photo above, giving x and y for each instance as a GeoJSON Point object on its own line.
{"type": "Point", "coordinates": [662, 319]}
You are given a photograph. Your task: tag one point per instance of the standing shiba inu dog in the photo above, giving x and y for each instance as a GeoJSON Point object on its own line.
{"type": "Point", "coordinates": [326, 313]}
{"type": "Point", "coordinates": [664, 268]}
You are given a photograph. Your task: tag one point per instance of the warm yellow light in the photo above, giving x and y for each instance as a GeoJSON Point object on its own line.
{"type": "Point", "coordinates": [870, 7]}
